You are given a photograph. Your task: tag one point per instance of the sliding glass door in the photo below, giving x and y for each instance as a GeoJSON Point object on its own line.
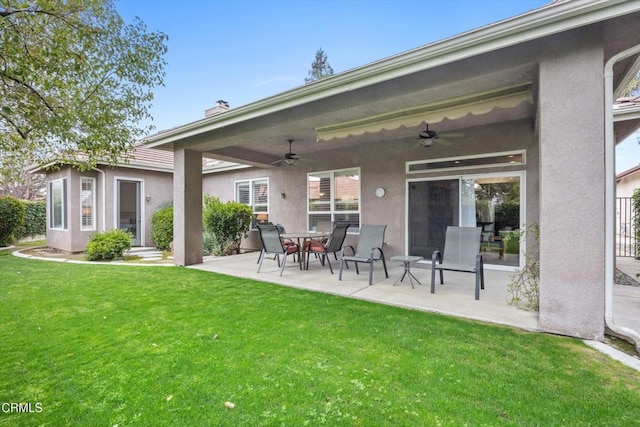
{"type": "Point", "coordinates": [433, 205]}
{"type": "Point", "coordinates": [492, 202]}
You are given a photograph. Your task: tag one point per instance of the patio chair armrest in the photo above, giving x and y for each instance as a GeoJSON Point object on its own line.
{"type": "Point", "coordinates": [353, 251]}
{"type": "Point", "coordinates": [373, 252]}
{"type": "Point", "coordinates": [436, 257]}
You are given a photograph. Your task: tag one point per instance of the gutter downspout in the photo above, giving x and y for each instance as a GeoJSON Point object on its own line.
{"type": "Point", "coordinates": [104, 198]}
{"type": "Point", "coordinates": [610, 194]}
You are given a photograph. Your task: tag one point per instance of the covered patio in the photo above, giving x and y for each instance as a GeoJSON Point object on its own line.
{"type": "Point", "coordinates": [527, 103]}
{"type": "Point", "coordinates": [454, 298]}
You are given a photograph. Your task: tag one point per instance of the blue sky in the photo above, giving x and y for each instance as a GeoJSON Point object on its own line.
{"type": "Point", "coordinates": [242, 51]}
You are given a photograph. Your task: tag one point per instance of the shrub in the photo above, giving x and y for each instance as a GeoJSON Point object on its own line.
{"type": "Point", "coordinates": [11, 218]}
{"type": "Point", "coordinates": [162, 227]}
{"type": "Point", "coordinates": [228, 222]}
{"type": "Point", "coordinates": [35, 220]}
{"type": "Point", "coordinates": [108, 245]}
{"type": "Point", "coordinates": [524, 285]}
{"type": "Point", "coordinates": [210, 244]}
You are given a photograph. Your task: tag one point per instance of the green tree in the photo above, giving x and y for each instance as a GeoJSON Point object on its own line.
{"type": "Point", "coordinates": [320, 67]}
{"type": "Point", "coordinates": [15, 179]}
{"type": "Point", "coordinates": [75, 80]}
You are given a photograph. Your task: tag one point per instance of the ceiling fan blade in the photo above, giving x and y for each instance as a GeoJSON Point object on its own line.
{"type": "Point", "coordinates": [452, 135]}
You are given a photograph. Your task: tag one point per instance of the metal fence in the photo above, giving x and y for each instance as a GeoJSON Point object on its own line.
{"type": "Point", "coordinates": [625, 233]}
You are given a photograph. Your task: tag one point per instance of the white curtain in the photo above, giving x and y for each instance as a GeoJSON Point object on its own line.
{"type": "Point", "coordinates": [467, 203]}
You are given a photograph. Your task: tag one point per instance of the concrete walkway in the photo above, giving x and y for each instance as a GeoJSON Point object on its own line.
{"type": "Point", "coordinates": [626, 299]}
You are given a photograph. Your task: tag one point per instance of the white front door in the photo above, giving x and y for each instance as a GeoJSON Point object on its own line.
{"type": "Point", "coordinates": [128, 211]}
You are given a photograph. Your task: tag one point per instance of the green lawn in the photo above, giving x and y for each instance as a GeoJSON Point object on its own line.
{"type": "Point", "coordinates": [113, 345]}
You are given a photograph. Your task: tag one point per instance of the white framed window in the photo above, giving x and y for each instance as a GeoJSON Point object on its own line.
{"type": "Point", "coordinates": [58, 204]}
{"type": "Point", "coordinates": [87, 203]}
{"type": "Point", "coordinates": [333, 196]}
{"type": "Point", "coordinates": [506, 158]}
{"type": "Point", "coordinates": [255, 193]}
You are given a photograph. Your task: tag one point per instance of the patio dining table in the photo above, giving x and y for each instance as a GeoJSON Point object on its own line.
{"type": "Point", "coordinates": [301, 238]}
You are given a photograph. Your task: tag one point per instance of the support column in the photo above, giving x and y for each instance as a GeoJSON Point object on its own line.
{"type": "Point", "coordinates": [572, 206]}
{"type": "Point", "coordinates": [187, 207]}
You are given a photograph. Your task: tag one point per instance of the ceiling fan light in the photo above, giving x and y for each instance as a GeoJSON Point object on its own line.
{"type": "Point", "coordinates": [426, 142]}
{"type": "Point", "coordinates": [290, 161]}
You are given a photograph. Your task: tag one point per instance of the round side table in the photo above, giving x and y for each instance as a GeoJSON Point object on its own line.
{"type": "Point", "coordinates": [407, 260]}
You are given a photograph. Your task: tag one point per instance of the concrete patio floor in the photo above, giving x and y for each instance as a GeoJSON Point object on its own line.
{"type": "Point", "coordinates": [454, 298]}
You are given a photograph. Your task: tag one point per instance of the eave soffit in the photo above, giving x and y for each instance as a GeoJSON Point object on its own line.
{"type": "Point", "coordinates": [475, 104]}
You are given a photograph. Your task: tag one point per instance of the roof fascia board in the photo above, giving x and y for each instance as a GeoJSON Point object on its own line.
{"type": "Point", "coordinates": [545, 21]}
{"type": "Point", "coordinates": [140, 165]}
{"type": "Point", "coordinates": [624, 114]}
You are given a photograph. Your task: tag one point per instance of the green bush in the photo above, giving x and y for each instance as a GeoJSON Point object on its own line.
{"type": "Point", "coordinates": [108, 245]}
{"type": "Point", "coordinates": [210, 244]}
{"type": "Point", "coordinates": [11, 218]}
{"type": "Point", "coordinates": [228, 222]}
{"type": "Point", "coordinates": [162, 227]}
{"type": "Point", "coordinates": [35, 220]}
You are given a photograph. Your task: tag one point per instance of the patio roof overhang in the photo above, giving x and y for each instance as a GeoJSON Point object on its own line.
{"type": "Point", "coordinates": [389, 99]}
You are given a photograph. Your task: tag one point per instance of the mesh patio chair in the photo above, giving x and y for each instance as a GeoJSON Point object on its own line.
{"type": "Point", "coordinates": [461, 253]}
{"type": "Point", "coordinates": [330, 246]}
{"type": "Point", "coordinates": [368, 250]}
{"type": "Point", "coordinates": [287, 242]}
{"type": "Point", "coordinates": [272, 244]}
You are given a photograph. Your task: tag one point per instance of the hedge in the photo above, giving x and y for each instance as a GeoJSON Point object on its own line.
{"type": "Point", "coordinates": [11, 218]}
{"type": "Point", "coordinates": [35, 220]}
